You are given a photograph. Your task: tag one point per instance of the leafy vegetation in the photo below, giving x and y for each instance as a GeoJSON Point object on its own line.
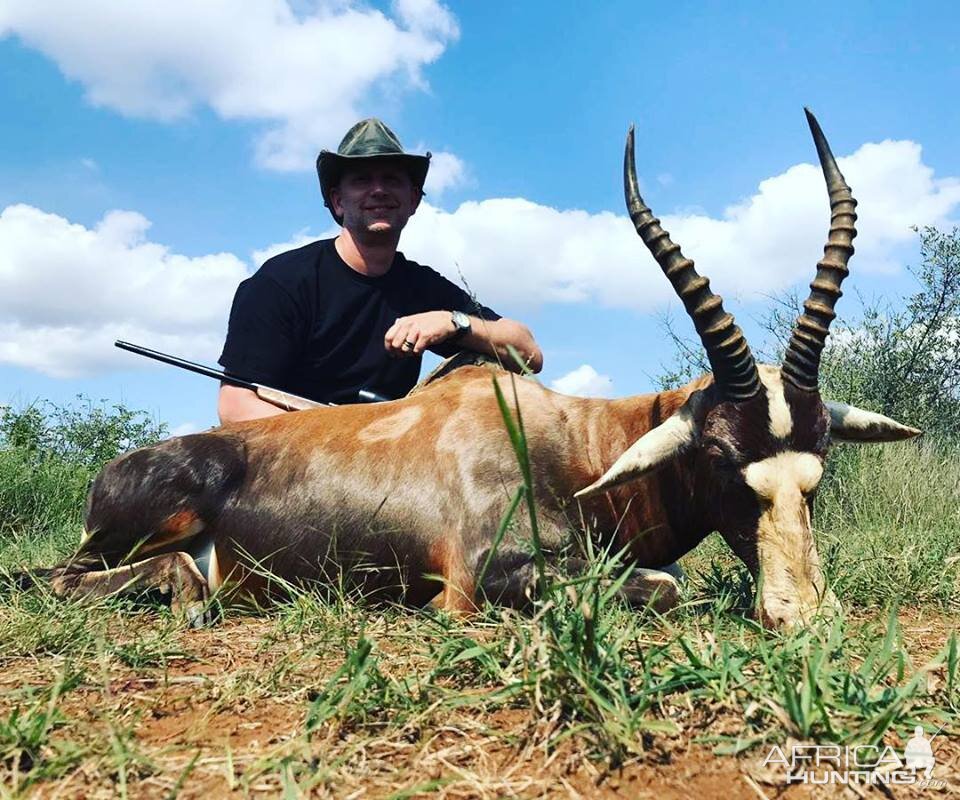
{"type": "Point", "coordinates": [86, 434]}
{"type": "Point", "coordinates": [48, 456]}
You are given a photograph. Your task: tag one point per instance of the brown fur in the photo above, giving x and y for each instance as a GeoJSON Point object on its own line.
{"type": "Point", "coordinates": [401, 499]}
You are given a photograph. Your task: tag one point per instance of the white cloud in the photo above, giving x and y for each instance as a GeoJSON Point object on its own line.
{"type": "Point", "coordinates": [584, 381]}
{"type": "Point", "coordinates": [67, 291]}
{"type": "Point", "coordinates": [184, 428]}
{"type": "Point", "coordinates": [513, 251]}
{"type": "Point", "coordinates": [446, 171]}
{"type": "Point", "coordinates": [306, 76]}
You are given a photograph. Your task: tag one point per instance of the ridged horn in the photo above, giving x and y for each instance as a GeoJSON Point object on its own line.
{"type": "Point", "coordinates": [734, 369]}
{"type": "Point", "coordinates": [801, 364]}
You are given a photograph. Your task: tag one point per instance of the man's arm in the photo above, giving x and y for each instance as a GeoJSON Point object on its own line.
{"type": "Point", "coordinates": [235, 404]}
{"type": "Point", "coordinates": [496, 337]}
{"type": "Point", "coordinates": [410, 336]}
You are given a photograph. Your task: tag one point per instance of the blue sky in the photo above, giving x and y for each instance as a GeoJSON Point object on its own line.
{"type": "Point", "coordinates": [151, 155]}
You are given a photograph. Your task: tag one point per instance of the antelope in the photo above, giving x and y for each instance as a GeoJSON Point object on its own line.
{"type": "Point", "coordinates": [404, 498]}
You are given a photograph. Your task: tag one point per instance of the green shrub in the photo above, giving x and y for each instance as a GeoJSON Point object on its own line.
{"type": "Point", "coordinates": [87, 434]}
{"type": "Point", "coordinates": [48, 456]}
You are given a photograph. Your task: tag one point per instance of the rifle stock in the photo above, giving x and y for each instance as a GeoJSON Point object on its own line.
{"type": "Point", "coordinates": [288, 402]}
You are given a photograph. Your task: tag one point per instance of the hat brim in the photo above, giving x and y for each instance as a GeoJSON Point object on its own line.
{"type": "Point", "coordinates": [331, 166]}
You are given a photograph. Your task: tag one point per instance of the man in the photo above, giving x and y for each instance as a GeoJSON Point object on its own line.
{"type": "Point", "coordinates": [340, 315]}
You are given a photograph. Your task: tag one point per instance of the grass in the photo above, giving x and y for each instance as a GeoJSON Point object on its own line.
{"type": "Point", "coordinates": [334, 695]}
{"type": "Point", "coordinates": [325, 696]}
{"type": "Point", "coordinates": [890, 518]}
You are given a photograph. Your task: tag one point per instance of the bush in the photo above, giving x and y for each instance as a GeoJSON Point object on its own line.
{"type": "Point", "coordinates": [88, 434]}
{"type": "Point", "coordinates": [48, 456]}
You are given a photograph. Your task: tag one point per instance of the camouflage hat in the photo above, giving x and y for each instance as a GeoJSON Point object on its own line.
{"type": "Point", "coordinates": [369, 138]}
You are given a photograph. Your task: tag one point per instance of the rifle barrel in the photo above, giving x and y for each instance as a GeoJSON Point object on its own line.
{"type": "Point", "coordinates": [285, 400]}
{"type": "Point", "coordinates": [192, 366]}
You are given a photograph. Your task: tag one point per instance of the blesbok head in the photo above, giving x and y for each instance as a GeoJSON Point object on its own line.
{"type": "Point", "coordinates": [757, 436]}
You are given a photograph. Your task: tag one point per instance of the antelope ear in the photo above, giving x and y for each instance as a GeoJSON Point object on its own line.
{"type": "Point", "coordinates": [655, 448]}
{"type": "Point", "coordinates": [852, 424]}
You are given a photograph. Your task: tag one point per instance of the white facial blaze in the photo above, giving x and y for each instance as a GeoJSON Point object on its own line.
{"type": "Point", "coordinates": [784, 474]}
{"type": "Point", "coordinates": [792, 585]}
{"type": "Point", "coordinates": [781, 421]}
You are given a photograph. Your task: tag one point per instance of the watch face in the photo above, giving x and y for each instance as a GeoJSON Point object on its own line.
{"type": "Point", "coordinates": [461, 320]}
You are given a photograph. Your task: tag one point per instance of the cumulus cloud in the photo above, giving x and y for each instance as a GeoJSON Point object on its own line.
{"type": "Point", "coordinates": [514, 251]}
{"type": "Point", "coordinates": [584, 381]}
{"type": "Point", "coordinates": [446, 171]}
{"type": "Point", "coordinates": [67, 291]}
{"type": "Point", "coordinates": [306, 76]}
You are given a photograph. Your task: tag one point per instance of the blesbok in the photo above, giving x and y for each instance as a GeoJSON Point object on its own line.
{"type": "Point", "coordinates": [405, 497]}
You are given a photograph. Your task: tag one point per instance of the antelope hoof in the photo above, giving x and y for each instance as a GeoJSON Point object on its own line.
{"type": "Point", "coordinates": [198, 614]}
{"type": "Point", "coordinates": [652, 588]}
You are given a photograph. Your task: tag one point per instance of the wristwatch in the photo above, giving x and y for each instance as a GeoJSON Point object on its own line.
{"type": "Point", "coordinates": [461, 322]}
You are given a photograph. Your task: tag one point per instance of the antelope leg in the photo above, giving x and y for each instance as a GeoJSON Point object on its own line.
{"type": "Point", "coordinates": [175, 574]}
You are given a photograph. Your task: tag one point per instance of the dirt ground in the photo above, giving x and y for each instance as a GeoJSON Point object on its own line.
{"type": "Point", "coordinates": [227, 720]}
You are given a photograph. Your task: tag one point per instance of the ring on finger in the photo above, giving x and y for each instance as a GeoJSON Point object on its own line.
{"type": "Point", "coordinates": [408, 345]}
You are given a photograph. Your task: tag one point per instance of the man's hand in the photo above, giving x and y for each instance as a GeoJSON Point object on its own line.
{"type": "Point", "coordinates": [410, 336]}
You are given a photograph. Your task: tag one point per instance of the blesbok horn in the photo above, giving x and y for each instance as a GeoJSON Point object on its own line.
{"type": "Point", "coordinates": [734, 369]}
{"type": "Point", "coordinates": [801, 364]}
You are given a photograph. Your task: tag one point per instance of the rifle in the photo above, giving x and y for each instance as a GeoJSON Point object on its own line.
{"type": "Point", "coordinates": [284, 400]}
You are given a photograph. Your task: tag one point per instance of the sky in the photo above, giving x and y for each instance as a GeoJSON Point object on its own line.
{"type": "Point", "coordinates": [152, 155]}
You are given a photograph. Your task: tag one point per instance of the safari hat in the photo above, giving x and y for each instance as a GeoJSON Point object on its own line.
{"type": "Point", "coordinates": [369, 138]}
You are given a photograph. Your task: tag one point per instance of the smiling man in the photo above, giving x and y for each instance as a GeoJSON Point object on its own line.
{"type": "Point", "coordinates": [340, 315]}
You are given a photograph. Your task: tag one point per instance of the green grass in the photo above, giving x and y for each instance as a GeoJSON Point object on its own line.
{"type": "Point", "coordinates": [41, 507]}
{"type": "Point", "coordinates": [598, 677]}
{"type": "Point", "coordinates": [890, 517]}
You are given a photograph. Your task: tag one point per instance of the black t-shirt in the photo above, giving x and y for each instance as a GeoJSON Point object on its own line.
{"type": "Point", "coordinates": [308, 324]}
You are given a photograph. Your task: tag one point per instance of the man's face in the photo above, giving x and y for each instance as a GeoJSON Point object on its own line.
{"type": "Point", "coordinates": [375, 197]}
